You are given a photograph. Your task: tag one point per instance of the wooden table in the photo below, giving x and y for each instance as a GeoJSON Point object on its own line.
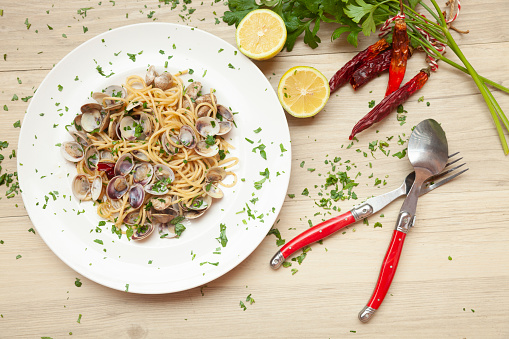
{"type": "Point", "coordinates": [453, 278]}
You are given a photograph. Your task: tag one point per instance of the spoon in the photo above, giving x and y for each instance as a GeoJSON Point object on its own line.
{"type": "Point", "coordinates": [427, 152]}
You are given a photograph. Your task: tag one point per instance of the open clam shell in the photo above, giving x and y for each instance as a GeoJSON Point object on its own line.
{"type": "Point", "coordinates": [124, 164]}
{"type": "Point", "coordinates": [117, 187]}
{"type": "Point", "coordinates": [133, 217]}
{"type": "Point", "coordinates": [225, 113]}
{"type": "Point", "coordinates": [213, 190]}
{"type": "Point", "coordinates": [166, 231]}
{"type": "Point", "coordinates": [164, 173]}
{"type": "Point", "coordinates": [110, 91]}
{"type": "Point", "coordinates": [187, 137]}
{"type": "Point", "coordinates": [224, 127]}
{"type": "Point", "coordinates": [81, 186]}
{"type": "Point", "coordinates": [142, 232]}
{"type": "Point", "coordinates": [96, 187]}
{"type": "Point", "coordinates": [92, 158]}
{"type": "Point", "coordinates": [91, 121]}
{"type": "Point", "coordinates": [72, 151]}
{"type": "Point", "coordinates": [206, 150]}
{"type": "Point", "coordinates": [139, 155]}
{"type": "Point", "coordinates": [162, 216]}
{"type": "Point", "coordinates": [215, 174]}
{"type": "Point", "coordinates": [136, 196]}
{"type": "Point", "coordinates": [207, 126]}
{"type": "Point", "coordinates": [142, 173]}
{"type": "Point", "coordinates": [157, 188]}
{"type": "Point", "coordinates": [168, 146]}
{"type": "Point", "coordinates": [162, 202]}
{"type": "Point", "coordinates": [151, 75]}
{"type": "Point", "coordinates": [128, 128]}
{"type": "Point", "coordinates": [80, 137]}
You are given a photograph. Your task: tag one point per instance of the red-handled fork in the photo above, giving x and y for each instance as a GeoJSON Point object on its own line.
{"type": "Point", "coordinates": [359, 212]}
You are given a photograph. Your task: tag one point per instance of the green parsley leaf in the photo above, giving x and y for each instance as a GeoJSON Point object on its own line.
{"type": "Point", "coordinates": [78, 283]}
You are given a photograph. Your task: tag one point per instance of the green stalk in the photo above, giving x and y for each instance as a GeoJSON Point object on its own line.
{"type": "Point", "coordinates": [482, 87]}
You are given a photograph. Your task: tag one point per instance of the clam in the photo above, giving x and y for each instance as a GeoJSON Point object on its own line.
{"type": "Point", "coordinates": [142, 232]}
{"type": "Point", "coordinates": [128, 128]}
{"type": "Point", "coordinates": [187, 137]}
{"type": "Point", "coordinates": [168, 146]}
{"type": "Point", "coordinates": [96, 188]}
{"type": "Point", "coordinates": [91, 121]}
{"type": "Point", "coordinates": [143, 173]}
{"type": "Point", "coordinates": [161, 202]}
{"type": "Point", "coordinates": [117, 187]}
{"type": "Point", "coordinates": [200, 203]}
{"type": "Point", "coordinates": [215, 174]}
{"type": "Point", "coordinates": [206, 150]}
{"type": "Point", "coordinates": [81, 186]}
{"type": "Point", "coordinates": [224, 112]}
{"type": "Point", "coordinates": [132, 105]}
{"type": "Point", "coordinates": [151, 75]}
{"type": "Point", "coordinates": [163, 81]}
{"type": "Point", "coordinates": [163, 216]}
{"type": "Point", "coordinates": [193, 89]}
{"type": "Point", "coordinates": [133, 217]}
{"type": "Point", "coordinates": [80, 137]}
{"type": "Point", "coordinates": [113, 129]}
{"type": "Point", "coordinates": [156, 188]}
{"type": "Point", "coordinates": [213, 190]}
{"type": "Point", "coordinates": [91, 107]}
{"type": "Point", "coordinates": [194, 214]}
{"type": "Point", "coordinates": [224, 127]}
{"type": "Point", "coordinates": [77, 123]}
{"type": "Point", "coordinates": [164, 173]}
{"type": "Point", "coordinates": [91, 158]}
{"type": "Point", "coordinates": [204, 110]}
{"type": "Point", "coordinates": [136, 196]}
{"type": "Point", "coordinates": [207, 126]}
{"type": "Point", "coordinates": [72, 151]}
{"type": "Point", "coordinates": [110, 91]}
{"type": "Point", "coordinates": [124, 164]}
{"type": "Point", "coordinates": [139, 155]}
{"type": "Point", "coordinates": [166, 231]}
{"type": "Point", "coordinates": [146, 125]}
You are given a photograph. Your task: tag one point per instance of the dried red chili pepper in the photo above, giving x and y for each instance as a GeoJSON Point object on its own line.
{"type": "Point", "coordinates": [343, 75]}
{"type": "Point", "coordinates": [107, 167]}
{"type": "Point", "coordinates": [399, 55]}
{"type": "Point", "coordinates": [371, 69]}
{"type": "Point", "coordinates": [390, 102]}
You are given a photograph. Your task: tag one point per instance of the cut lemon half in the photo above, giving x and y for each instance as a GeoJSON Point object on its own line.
{"type": "Point", "coordinates": [303, 91]}
{"type": "Point", "coordinates": [261, 34]}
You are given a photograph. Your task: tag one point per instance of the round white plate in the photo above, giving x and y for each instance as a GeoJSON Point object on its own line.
{"type": "Point", "coordinates": [248, 210]}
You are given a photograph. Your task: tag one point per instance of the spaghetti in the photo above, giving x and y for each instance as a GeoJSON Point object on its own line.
{"type": "Point", "coordinates": [151, 153]}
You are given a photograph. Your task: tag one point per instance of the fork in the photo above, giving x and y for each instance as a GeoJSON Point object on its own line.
{"type": "Point", "coordinates": [362, 211]}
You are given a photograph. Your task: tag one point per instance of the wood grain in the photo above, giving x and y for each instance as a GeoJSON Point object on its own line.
{"type": "Point", "coordinates": [431, 296]}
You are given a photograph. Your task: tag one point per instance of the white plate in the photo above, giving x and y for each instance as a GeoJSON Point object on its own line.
{"type": "Point", "coordinates": [157, 265]}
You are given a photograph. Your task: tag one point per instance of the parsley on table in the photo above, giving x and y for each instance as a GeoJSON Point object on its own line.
{"type": "Point", "coordinates": [277, 234]}
{"type": "Point", "coordinates": [78, 283]}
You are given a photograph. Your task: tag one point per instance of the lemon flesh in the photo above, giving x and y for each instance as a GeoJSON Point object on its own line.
{"type": "Point", "coordinates": [303, 91]}
{"type": "Point", "coordinates": [261, 34]}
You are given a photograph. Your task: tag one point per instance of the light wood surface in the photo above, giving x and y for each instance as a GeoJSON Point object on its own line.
{"type": "Point", "coordinates": [431, 296]}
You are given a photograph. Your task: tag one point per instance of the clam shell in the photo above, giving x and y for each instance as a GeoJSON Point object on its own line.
{"type": "Point", "coordinates": [166, 231]}
{"type": "Point", "coordinates": [151, 75]}
{"type": "Point", "coordinates": [136, 196]}
{"type": "Point", "coordinates": [156, 189]}
{"type": "Point", "coordinates": [127, 128]}
{"type": "Point", "coordinates": [117, 187]}
{"type": "Point", "coordinates": [132, 218]}
{"type": "Point", "coordinates": [139, 155]}
{"type": "Point", "coordinates": [225, 113]}
{"type": "Point", "coordinates": [72, 151]}
{"type": "Point", "coordinates": [142, 173]}
{"type": "Point", "coordinates": [206, 150]}
{"type": "Point", "coordinates": [163, 216]}
{"type": "Point", "coordinates": [124, 164]}
{"type": "Point", "coordinates": [215, 174]}
{"type": "Point", "coordinates": [96, 188]}
{"type": "Point", "coordinates": [143, 232]}
{"type": "Point", "coordinates": [187, 137]}
{"type": "Point", "coordinates": [80, 137]}
{"type": "Point", "coordinates": [91, 158]}
{"type": "Point", "coordinates": [207, 126]}
{"type": "Point", "coordinates": [164, 173]}
{"type": "Point", "coordinates": [161, 202]}
{"type": "Point", "coordinates": [168, 146]}
{"type": "Point", "coordinates": [163, 81]}
{"type": "Point", "coordinates": [91, 121]}
{"type": "Point", "coordinates": [224, 127]}
{"type": "Point", "coordinates": [213, 190]}
{"type": "Point", "coordinates": [81, 186]}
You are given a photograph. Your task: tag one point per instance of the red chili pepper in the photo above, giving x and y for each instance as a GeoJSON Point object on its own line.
{"type": "Point", "coordinates": [390, 102]}
{"type": "Point", "coordinates": [343, 75]}
{"type": "Point", "coordinates": [108, 168]}
{"type": "Point", "coordinates": [371, 69]}
{"type": "Point", "coordinates": [399, 56]}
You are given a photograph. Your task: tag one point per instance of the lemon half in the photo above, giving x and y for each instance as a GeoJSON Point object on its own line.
{"type": "Point", "coordinates": [261, 34]}
{"type": "Point", "coordinates": [303, 91]}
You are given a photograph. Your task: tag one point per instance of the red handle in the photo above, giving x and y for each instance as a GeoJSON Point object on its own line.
{"type": "Point", "coordinates": [316, 233]}
{"type": "Point", "coordinates": [388, 269]}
